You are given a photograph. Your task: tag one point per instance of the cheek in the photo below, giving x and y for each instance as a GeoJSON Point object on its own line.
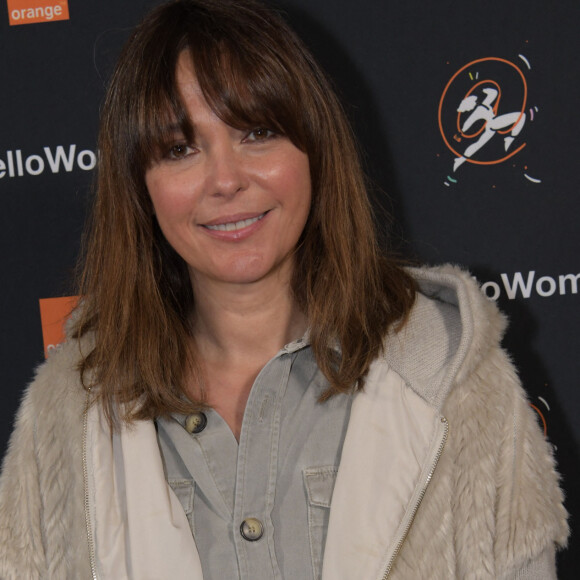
{"type": "Point", "coordinates": [154, 189]}
{"type": "Point", "coordinates": [303, 188]}
{"type": "Point", "coordinates": [294, 179]}
{"type": "Point", "coordinates": [168, 199]}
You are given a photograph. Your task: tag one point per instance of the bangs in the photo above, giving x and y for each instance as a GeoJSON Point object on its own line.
{"type": "Point", "coordinates": [244, 74]}
{"type": "Point", "coordinates": [246, 90]}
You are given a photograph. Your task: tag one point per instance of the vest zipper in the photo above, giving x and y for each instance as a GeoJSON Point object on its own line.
{"type": "Point", "coordinates": [90, 540]}
{"type": "Point", "coordinates": [401, 541]}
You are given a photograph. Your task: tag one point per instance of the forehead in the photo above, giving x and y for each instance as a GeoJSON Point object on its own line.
{"type": "Point", "coordinates": [185, 77]}
{"type": "Point", "coordinates": [188, 86]}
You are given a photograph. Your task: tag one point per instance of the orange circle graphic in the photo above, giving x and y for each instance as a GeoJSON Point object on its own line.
{"type": "Point", "coordinates": [463, 68]}
{"type": "Point", "coordinates": [541, 417]}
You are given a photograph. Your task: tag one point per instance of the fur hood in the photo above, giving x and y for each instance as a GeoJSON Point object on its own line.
{"type": "Point", "coordinates": [491, 509]}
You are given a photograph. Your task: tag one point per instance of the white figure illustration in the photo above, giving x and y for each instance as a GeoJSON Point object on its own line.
{"type": "Point", "coordinates": [493, 123]}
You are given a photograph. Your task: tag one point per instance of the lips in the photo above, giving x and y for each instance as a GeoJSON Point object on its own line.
{"type": "Point", "coordinates": [232, 226]}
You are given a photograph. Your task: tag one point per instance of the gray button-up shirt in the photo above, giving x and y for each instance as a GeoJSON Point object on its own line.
{"type": "Point", "coordinates": [281, 473]}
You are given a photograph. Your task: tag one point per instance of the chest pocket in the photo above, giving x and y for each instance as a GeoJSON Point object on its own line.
{"type": "Point", "coordinates": [184, 490]}
{"type": "Point", "coordinates": [319, 485]}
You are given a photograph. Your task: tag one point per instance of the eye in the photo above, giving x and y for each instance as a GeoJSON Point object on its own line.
{"type": "Point", "coordinates": [260, 134]}
{"type": "Point", "coordinates": [179, 151]}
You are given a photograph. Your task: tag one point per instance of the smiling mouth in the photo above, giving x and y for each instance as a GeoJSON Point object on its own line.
{"type": "Point", "coordinates": [233, 226]}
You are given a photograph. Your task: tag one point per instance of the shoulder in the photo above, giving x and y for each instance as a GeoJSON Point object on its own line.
{"type": "Point", "coordinates": [43, 464]}
{"type": "Point", "coordinates": [55, 399]}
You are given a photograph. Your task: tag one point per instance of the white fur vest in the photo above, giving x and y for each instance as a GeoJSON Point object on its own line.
{"type": "Point", "coordinates": [475, 494]}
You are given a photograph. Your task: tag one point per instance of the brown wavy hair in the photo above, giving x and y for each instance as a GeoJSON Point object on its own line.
{"type": "Point", "coordinates": [138, 299]}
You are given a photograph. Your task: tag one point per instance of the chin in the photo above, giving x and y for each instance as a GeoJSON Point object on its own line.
{"type": "Point", "coordinates": [244, 276]}
{"type": "Point", "coordinates": [246, 270]}
{"type": "Point", "coordinates": [252, 274]}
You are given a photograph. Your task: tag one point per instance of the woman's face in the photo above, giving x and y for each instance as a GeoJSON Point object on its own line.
{"type": "Point", "coordinates": [233, 203]}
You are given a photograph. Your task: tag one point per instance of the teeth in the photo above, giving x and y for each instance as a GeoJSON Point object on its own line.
{"type": "Point", "coordinates": [233, 226]}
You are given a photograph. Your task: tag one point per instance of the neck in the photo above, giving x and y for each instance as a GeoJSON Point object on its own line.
{"type": "Point", "coordinates": [237, 329]}
{"type": "Point", "coordinates": [248, 323]}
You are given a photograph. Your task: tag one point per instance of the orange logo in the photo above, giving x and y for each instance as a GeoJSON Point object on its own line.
{"type": "Point", "coordinates": [31, 11]}
{"type": "Point", "coordinates": [512, 123]}
{"type": "Point", "coordinates": [54, 313]}
{"type": "Point", "coordinates": [484, 112]}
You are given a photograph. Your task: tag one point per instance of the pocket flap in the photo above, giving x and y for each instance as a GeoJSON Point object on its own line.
{"type": "Point", "coordinates": [183, 489]}
{"type": "Point", "coordinates": [319, 482]}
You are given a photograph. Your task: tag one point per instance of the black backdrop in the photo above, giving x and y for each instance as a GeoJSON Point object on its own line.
{"type": "Point", "coordinates": [403, 70]}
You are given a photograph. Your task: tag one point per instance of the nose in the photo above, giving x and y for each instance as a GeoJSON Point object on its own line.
{"type": "Point", "coordinates": [226, 172]}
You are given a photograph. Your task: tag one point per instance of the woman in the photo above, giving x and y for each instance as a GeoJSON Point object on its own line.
{"type": "Point", "coordinates": [250, 386]}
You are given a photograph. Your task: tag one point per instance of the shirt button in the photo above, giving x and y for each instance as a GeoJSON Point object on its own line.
{"type": "Point", "coordinates": [252, 529]}
{"type": "Point", "coordinates": [196, 422]}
